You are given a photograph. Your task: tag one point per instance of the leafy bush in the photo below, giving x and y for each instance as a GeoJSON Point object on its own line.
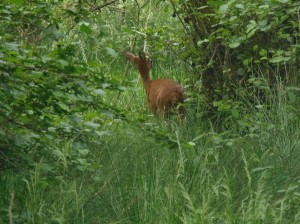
{"type": "Point", "coordinates": [47, 95]}
{"type": "Point", "coordinates": [240, 44]}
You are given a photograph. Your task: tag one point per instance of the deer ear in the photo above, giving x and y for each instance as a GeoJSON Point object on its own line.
{"type": "Point", "coordinates": [146, 58]}
{"type": "Point", "coordinates": [131, 57]}
{"type": "Point", "coordinates": [142, 55]}
{"type": "Point", "coordinates": [149, 63]}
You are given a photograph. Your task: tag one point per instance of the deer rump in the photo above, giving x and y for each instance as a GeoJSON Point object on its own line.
{"type": "Point", "coordinates": [164, 96]}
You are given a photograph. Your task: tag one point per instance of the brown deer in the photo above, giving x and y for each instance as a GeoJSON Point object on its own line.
{"type": "Point", "coordinates": [163, 95]}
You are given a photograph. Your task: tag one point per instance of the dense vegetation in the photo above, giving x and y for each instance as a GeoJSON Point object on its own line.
{"type": "Point", "coordinates": [78, 144]}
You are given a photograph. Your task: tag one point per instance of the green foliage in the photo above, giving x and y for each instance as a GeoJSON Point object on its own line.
{"type": "Point", "coordinates": [78, 145]}
{"type": "Point", "coordinates": [199, 176]}
{"type": "Point", "coordinates": [47, 96]}
{"type": "Point", "coordinates": [236, 41]}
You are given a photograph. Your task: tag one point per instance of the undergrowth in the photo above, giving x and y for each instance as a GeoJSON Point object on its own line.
{"type": "Point", "coordinates": [158, 172]}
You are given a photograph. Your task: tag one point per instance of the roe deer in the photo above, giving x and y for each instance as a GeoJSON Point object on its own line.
{"type": "Point", "coordinates": [163, 95]}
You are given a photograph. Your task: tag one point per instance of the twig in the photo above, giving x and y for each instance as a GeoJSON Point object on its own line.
{"type": "Point", "coordinates": [104, 5]}
{"type": "Point", "coordinates": [299, 17]}
{"type": "Point", "coordinates": [11, 205]}
{"type": "Point", "coordinates": [146, 27]}
{"type": "Point", "coordinates": [179, 17]}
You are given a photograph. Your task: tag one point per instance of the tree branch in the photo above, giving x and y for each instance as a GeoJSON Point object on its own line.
{"type": "Point", "coordinates": [104, 5]}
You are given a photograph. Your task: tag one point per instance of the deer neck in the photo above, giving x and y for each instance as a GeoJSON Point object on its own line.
{"type": "Point", "coordinates": [146, 78]}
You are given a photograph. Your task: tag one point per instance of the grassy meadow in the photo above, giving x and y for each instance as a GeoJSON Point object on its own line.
{"type": "Point", "coordinates": [147, 171]}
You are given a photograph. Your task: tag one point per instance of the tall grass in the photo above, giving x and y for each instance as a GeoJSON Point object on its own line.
{"type": "Point", "coordinates": [159, 172]}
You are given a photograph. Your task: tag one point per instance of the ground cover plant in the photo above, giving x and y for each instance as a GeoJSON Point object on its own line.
{"type": "Point", "coordinates": [79, 145]}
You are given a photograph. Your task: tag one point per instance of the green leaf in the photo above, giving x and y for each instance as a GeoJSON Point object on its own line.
{"type": "Point", "coordinates": [264, 7]}
{"type": "Point", "coordinates": [45, 59]}
{"type": "Point", "coordinates": [51, 129]}
{"type": "Point", "coordinates": [241, 71]}
{"type": "Point", "coordinates": [265, 28]}
{"type": "Point", "coordinates": [63, 62]}
{"type": "Point", "coordinates": [92, 124]}
{"type": "Point", "coordinates": [63, 106]}
{"type": "Point", "coordinates": [101, 133]}
{"type": "Point", "coordinates": [232, 18]}
{"type": "Point", "coordinates": [224, 8]}
{"type": "Point", "coordinates": [235, 113]}
{"type": "Point", "coordinates": [17, 2]}
{"type": "Point", "coordinates": [36, 74]}
{"type": "Point", "coordinates": [127, 30]}
{"type": "Point", "coordinates": [263, 23]}
{"type": "Point", "coordinates": [234, 44]}
{"type": "Point", "coordinates": [100, 92]}
{"type": "Point", "coordinates": [292, 97]}
{"type": "Point", "coordinates": [93, 64]}
{"type": "Point", "coordinates": [83, 152]}
{"type": "Point", "coordinates": [200, 42]}
{"type": "Point", "coordinates": [111, 52]}
{"type": "Point", "coordinates": [239, 6]}
{"type": "Point", "coordinates": [12, 46]}
{"type": "Point", "coordinates": [263, 52]}
{"type": "Point", "coordinates": [251, 33]}
{"type": "Point", "coordinates": [83, 162]}
{"type": "Point", "coordinates": [277, 59]}
{"type": "Point", "coordinates": [85, 29]}
{"type": "Point", "coordinates": [252, 25]}
{"type": "Point", "coordinates": [80, 69]}
{"type": "Point", "coordinates": [191, 143]}
{"type": "Point", "coordinates": [291, 88]}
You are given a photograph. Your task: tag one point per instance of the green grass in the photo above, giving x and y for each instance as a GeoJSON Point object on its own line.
{"type": "Point", "coordinates": [158, 172]}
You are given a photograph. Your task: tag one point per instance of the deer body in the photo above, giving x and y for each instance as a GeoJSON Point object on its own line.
{"type": "Point", "coordinates": [163, 95]}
